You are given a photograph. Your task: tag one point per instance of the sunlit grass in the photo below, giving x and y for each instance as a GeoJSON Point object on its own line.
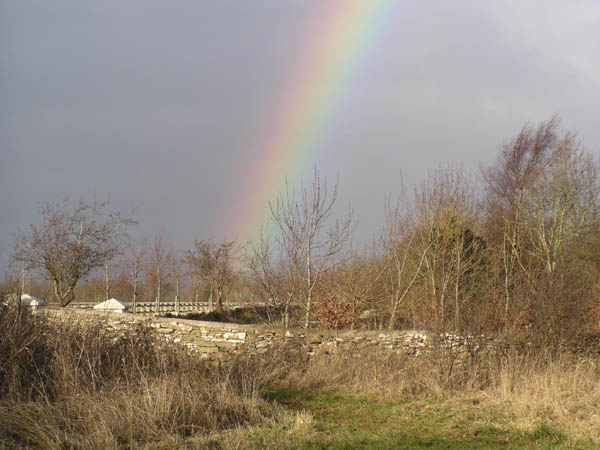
{"type": "Point", "coordinates": [338, 421]}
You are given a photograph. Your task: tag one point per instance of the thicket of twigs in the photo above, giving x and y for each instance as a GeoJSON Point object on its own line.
{"type": "Point", "coordinates": [514, 249]}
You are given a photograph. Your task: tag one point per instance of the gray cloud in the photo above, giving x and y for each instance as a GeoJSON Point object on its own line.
{"type": "Point", "coordinates": [157, 105]}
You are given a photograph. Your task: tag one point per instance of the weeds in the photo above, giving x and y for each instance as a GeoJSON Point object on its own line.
{"type": "Point", "coordinates": [84, 385]}
{"type": "Point", "coordinates": [75, 385]}
{"type": "Point", "coordinates": [531, 388]}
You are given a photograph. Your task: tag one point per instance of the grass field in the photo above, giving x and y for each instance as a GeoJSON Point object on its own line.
{"type": "Point", "coordinates": [338, 421]}
{"type": "Point", "coordinates": [66, 386]}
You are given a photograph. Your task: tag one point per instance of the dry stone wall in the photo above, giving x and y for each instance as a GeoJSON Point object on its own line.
{"type": "Point", "coordinates": [221, 341]}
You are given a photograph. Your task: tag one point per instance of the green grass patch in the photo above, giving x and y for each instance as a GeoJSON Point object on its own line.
{"type": "Point", "coordinates": [336, 421]}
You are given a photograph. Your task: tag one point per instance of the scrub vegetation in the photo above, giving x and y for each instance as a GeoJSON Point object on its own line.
{"type": "Point", "coordinates": [513, 254]}
{"type": "Point", "coordinates": [515, 250]}
{"type": "Point", "coordinates": [75, 385]}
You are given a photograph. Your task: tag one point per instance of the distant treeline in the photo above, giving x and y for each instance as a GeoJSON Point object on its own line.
{"type": "Point", "coordinates": [514, 249]}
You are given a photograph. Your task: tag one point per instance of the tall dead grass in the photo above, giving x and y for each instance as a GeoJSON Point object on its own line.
{"type": "Point", "coordinates": [64, 385]}
{"type": "Point", "coordinates": [529, 387]}
{"type": "Point", "coordinates": [379, 374]}
{"type": "Point", "coordinates": [563, 390]}
{"type": "Point", "coordinates": [69, 385]}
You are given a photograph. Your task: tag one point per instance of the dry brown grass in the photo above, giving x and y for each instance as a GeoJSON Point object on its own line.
{"type": "Point", "coordinates": [73, 386]}
{"type": "Point", "coordinates": [164, 410]}
{"type": "Point", "coordinates": [563, 390]}
{"type": "Point", "coordinates": [529, 388]}
{"type": "Point", "coordinates": [383, 375]}
{"type": "Point", "coordinates": [95, 388]}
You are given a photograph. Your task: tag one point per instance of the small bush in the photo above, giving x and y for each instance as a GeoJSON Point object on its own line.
{"type": "Point", "coordinates": [334, 313]}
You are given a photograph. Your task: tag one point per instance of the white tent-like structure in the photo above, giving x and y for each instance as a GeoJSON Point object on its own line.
{"type": "Point", "coordinates": [30, 300]}
{"type": "Point", "coordinates": [112, 305]}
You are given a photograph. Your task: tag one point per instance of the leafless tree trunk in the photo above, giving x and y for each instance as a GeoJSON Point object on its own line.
{"type": "Point", "coordinates": [161, 256]}
{"type": "Point", "coordinates": [399, 243]}
{"type": "Point", "coordinates": [197, 293]}
{"type": "Point", "coordinates": [301, 222]}
{"type": "Point", "coordinates": [23, 277]}
{"type": "Point", "coordinates": [106, 281]}
{"type": "Point", "coordinates": [137, 260]}
{"type": "Point", "coordinates": [177, 270]}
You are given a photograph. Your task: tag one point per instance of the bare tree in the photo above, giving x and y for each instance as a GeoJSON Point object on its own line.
{"type": "Point", "coordinates": [543, 202]}
{"type": "Point", "coordinates": [357, 280]}
{"type": "Point", "coordinates": [69, 243]}
{"type": "Point", "coordinates": [399, 239]}
{"type": "Point", "coordinates": [508, 183]}
{"type": "Point", "coordinates": [215, 264]}
{"type": "Point", "coordinates": [447, 247]}
{"type": "Point", "coordinates": [195, 278]}
{"type": "Point", "coordinates": [309, 247]}
{"type": "Point", "coordinates": [264, 278]}
{"type": "Point", "coordinates": [137, 257]}
{"type": "Point", "coordinates": [160, 258]}
{"type": "Point", "coordinates": [177, 272]}
{"type": "Point", "coordinates": [272, 278]}
{"type": "Point", "coordinates": [564, 202]}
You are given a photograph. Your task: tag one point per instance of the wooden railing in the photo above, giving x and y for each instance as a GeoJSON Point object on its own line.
{"type": "Point", "coordinates": [167, 307]}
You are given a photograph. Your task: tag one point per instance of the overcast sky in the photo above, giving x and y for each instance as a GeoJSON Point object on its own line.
{"type": "Point", "coordinates": [157, 106]}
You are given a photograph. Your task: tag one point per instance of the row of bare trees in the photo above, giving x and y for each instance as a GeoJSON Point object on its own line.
{"type": "Point", "coordinates": [157, 271]}
{"type": "Point", "coordinates": [513, 249]}
{"type": "Point", "coordinates": [75, 246]}
{"type": "Point", "coordinates": [516, 248]}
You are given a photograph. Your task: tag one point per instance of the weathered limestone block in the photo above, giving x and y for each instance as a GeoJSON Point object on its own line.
{"type": "Point", "coordinates": [164, 330]}
{"type": "Point", "coordinates": [348, 346]}
{"type": "Point", "coordinates": [261, 344]}
{"type": "Point", "coordinates": [241, 336]}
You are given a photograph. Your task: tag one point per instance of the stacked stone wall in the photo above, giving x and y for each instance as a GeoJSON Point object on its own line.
{"type": "Point", "coordinates": [221, 341]}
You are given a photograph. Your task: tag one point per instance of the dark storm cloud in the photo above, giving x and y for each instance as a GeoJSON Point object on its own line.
{"type": "Point", "coordinates": [158, 105]}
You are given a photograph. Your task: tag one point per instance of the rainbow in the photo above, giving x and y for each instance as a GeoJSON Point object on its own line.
{"type": "Point", "coordinates": [334, 47]}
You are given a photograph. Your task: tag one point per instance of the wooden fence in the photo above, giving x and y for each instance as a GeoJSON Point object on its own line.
{"type": "Point", "coordinates": [167, 307]}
